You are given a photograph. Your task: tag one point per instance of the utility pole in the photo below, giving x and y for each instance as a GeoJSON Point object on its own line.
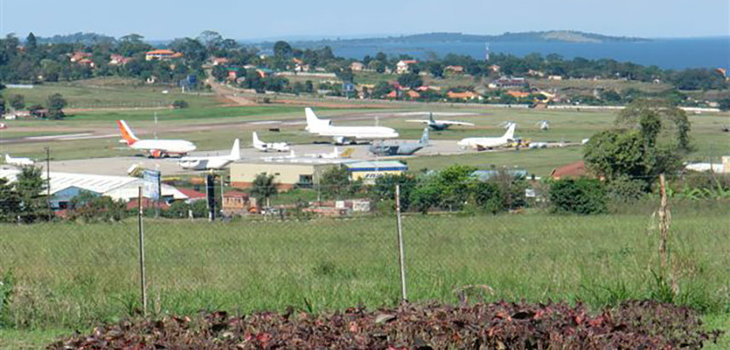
{"type": "Point", "coordinates": [401, 249]}
{"type": "Point", "coordinates": [48, 182]}
{"type": "Point", "coordinates": [142, 269]}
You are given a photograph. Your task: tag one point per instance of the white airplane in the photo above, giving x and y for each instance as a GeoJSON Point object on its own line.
{"type": "Point", "coordinates": [438, 125]}
{"type": "Point", "coordinates": [543, 124]}
{"type": "Point", "coordinates": [211, 162]}
{"type": "Point", "coordinates": [155, 148]}
{"type": "Point", "coordinates": [18, 161]}
{"type": "Point", "coordinates": [269, 146]}
{"type": "Point", "coordinates": [340, 134]}
{"type": "Point", "coordinates": [332, 155]}
{"type": "Point", "coordinates": [483, 143]}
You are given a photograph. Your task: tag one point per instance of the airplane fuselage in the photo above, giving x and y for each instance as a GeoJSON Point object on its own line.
{"type": "Point", "coordinates": [161, 148]}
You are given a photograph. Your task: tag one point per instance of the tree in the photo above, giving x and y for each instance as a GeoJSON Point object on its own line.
{"type": "Point", "coordinates": [282, 49]}
{"type": "Point", "coordinates": [264, 188]}
{"type": "Point", "coordinates": [56, 103]}
{"type": "Point", "coordinates": [30, 42]}
{"type": "Point", "coordinates": [17, 101]}
{"type": "Point", "coordinates": [9, 202]}
{"type": "Point", "coordinates": [384, 188]}
{"type": "Point", "coordinates": [335, 183]}
{"type": "Point", "coordinates": [582, 196]}
{"type": "Point", "coordinates": [411, 80]}
{"type": "Point", "coordinates": [2, 106]}
{"type": "Point", "coordinates": [671, 124]}
{"type": "Point", "coordinates": [30, 187]}
{"type": "Point", "coordinates": [219, 72]}
{"type": "Point", "coordinates": [381, 89]}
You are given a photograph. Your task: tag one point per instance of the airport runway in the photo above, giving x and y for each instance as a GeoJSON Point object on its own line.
{"type": "Point", "coordinates": [168, 166]}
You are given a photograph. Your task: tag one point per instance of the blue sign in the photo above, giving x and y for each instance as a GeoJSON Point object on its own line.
{"type": "Point", "coordinates": [152, 184]}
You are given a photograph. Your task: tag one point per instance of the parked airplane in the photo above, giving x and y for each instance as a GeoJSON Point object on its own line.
{"type": "Point", "coordinates": [18, 161]}
{"type": "Point", "coordinates": [211, 162]}
{"type": "Point", "coordinates": [543, 124]}
{"type": "Point", "coordinates": [400, 149]}
{"type": "Point", "coordinates": [438, 125]}
{"type": "Point", "coordinates": [332, 155]}
{"type": "Point", "coordinates": [269, 146]}
{"type": "Point", "coordinates": [340, 134]}
{"type": "Point", "coordinates": [483, 143]}
{"type": "Point", "coordinates": [155, 148]}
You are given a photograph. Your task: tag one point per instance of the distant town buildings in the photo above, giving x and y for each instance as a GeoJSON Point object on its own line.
{"type": "Point", "coordinates": [507, 83]}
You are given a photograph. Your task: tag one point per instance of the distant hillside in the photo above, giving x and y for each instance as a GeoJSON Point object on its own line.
{"type": "Point", "coordinates": [544, 36]}
{"type": "Point", "coordinates": [84, 38]}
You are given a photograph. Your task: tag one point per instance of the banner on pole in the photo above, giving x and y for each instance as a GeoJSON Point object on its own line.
{"type": "Point", "coordinates": [152, 184]}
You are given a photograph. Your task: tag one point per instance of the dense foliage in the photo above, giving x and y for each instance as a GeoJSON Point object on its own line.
{"type": "Point", "coordinates": [581, 196]}
{"type": "Point", "coordinates": [632, 325]}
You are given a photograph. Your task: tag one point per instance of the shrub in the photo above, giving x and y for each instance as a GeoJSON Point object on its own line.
{"type": "Point", "coordinates": [179, 104]}
{"type": "Point", "coordinates": [582, 196]}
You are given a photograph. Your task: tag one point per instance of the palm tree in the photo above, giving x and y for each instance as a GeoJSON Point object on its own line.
{"type": "Point", "coordinates": [264, 187]}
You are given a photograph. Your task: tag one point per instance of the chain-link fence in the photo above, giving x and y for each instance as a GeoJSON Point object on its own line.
{"type": "Point", "coordinates": [326, 248]}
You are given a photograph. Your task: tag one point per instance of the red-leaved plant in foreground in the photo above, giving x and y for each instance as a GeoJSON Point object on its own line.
{"type": "Point", "coordinates": [632, 325]}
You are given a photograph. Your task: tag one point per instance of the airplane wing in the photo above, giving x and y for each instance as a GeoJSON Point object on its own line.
{"type": "Point", "coordinates": [454, 122]}
{"type": "Point", "coordinates": [422, 121]}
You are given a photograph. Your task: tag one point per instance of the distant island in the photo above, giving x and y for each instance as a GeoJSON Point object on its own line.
{"type": "Point", "coordinates": [569, 36]}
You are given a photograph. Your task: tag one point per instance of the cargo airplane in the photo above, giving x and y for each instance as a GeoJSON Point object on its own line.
{"type": "Point", "coordinates": [269, 146]}
{"type": "Point", "coordinates": [438, 125]}
{"type": "Point", "coordinates": [340, 134]}
{"type": "Point", "coordinates": [18, 161]}
{"type": "Point", "coordinates": [155, 148]}
{"type": "Point", "coordinates": [211, 162]}
{"type": "Point", "coordinates": [483, 143]}
{"type": "Point", "coordinates": [400, 149]}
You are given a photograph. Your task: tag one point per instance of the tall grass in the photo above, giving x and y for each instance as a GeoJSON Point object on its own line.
{"type": "Point", "coordinates": [72, 275]}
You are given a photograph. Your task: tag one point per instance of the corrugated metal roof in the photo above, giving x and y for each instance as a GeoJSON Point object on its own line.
{"type": "Point", "coordinates": [376, 164]}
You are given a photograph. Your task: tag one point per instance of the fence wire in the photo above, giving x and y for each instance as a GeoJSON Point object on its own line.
{"type": "Point", "coordinates": [337, 252]}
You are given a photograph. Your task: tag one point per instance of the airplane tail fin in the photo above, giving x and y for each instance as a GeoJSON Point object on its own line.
{"type": "Point", "coordinates": [236, 150]}
{"type": "Point", "coordinates": [510, 134]}
{"type": "Point", "coordinates": [127, 133]}
{"type": "Point", "coordinates": [314, 123]}
{"type": "Point", "coordinates": [347, 153]}
{"type": "Point", "coordinates": [424, 137]}
{"type": "Point", "coordinates": [256, 140]}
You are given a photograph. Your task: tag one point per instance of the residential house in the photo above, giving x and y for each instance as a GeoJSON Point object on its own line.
{"type": "Point", "coordinates": [404, 66]}
{"type": "Point", "coordinates": [466, 95]}
{"type": "Point", "coordinates": [555, 77]}
{"type": "Point", "coordinates": [454, 69]}
{"type": "Point", "coordinates": [264, 72]}
{"type": "Point", "coordinates": [535, 73]}
{"type": "Point", "coordinates": [413, 94]}
{"type": "Point", "coordinates": [220, 61]}
{"type": "Point", "coordinates": [162, 54]}
{"type": "Point", "coordinates": [193, 195]}
{"type": "Point", "coordinates": [572, 170]}
{"type": "Point", "coordinates": [86, 62]}
{"type": "Point", "coordinates": [236, 202]}
{"type": "Point", "coordinates": [518, 94]}
{"type": "Point", "coordinates": [118, 60]}
{"type": "Point", "coordinates": [299, 65]}
{"type": "Point", "coordinates": [78, 56]}
{"type": "Point", "coordinates": [508, 83]}
{"type": "Point", "coordinates": [357, 66]}
{"type": "Point", "coordinates": [495, 68]}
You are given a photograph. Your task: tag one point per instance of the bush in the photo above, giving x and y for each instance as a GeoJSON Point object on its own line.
{"type": "Point", "coordinates": [582, 196]}
{"type": "Point", "coordinates": [632, 325]}
{"type": "Point", "coordinates": [179, 104]}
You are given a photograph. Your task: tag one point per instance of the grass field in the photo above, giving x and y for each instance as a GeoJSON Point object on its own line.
{"type": "Point", "coordinates": [70, 275]}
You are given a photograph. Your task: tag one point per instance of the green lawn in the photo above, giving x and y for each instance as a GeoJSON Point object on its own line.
{"type": "Point", "coordinates": [111, 93]}
{"type": "Point", "coordinates": [70, 275]}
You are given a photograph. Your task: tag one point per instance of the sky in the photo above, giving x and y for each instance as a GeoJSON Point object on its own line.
{"type": "Point", "coordinates": [169, 19]}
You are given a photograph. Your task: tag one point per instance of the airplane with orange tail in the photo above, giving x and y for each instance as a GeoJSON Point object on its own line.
{"type": "Point", "coordinates": [155, 148]}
